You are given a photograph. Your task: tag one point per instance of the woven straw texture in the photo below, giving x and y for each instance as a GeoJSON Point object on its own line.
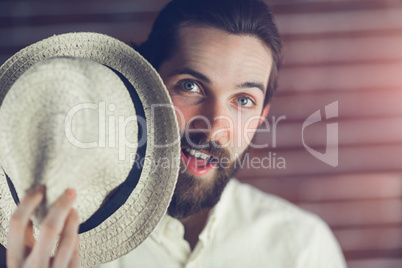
{"type": "Point", "coordinates": [135, 220]}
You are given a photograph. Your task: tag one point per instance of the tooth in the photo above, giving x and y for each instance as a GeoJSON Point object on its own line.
{"type": "Point", "coordinates": [197, 154]}
{"type": "Point", "coordinates": [204, 156]}
{"type": "Point", "coordinates": [192, 151]}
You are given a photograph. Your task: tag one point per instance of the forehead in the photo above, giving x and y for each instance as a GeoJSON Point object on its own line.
{"type": "Point", "coordinates": [219, 54]}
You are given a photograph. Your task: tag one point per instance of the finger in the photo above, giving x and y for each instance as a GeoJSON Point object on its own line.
{"type": "Point", "coordinates": [74, 261]}
{"type": "Point", "coordinates": [51, 227]}
{"type": "Point", "coordinates": [18, 225]}
{"type": "Point", "coordinates": [67, 242]}
{"type": "Point", "coordinates": [29, 239]}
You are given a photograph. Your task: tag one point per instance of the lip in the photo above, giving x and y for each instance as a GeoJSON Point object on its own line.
{"type": "Point", "coordinates": [197, 167]}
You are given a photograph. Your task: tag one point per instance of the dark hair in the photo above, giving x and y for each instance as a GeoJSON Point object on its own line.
{"type": "Point", "coordinates": [240, 17]}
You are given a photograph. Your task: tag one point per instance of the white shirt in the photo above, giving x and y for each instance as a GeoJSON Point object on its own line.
{"type": "Point", "coordinates": [247, 228]}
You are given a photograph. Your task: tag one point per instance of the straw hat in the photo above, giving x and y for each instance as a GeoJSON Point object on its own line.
{"type": "Point", "coordinates": [85, 111]}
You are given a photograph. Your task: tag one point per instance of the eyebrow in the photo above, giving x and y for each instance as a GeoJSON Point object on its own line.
{"type": "Point", "coordinates": [253, 85]}
{"type": "Point", "coordinates": [203, 77]}
{"type": "Point", "coordinates": [192, 72]}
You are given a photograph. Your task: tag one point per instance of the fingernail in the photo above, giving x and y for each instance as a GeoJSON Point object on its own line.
{"type": "Point", "coordinates": [40, 189]}
{"type": "Point", "coordinates": [70, 193]}
{"type": "Point", "coordinates": [36, 189]}
{"type": "Point", "coordinates": [74, 211]}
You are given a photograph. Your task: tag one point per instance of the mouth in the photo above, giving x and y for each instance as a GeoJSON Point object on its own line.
{"type": "Point", "coordinates": [198, 163]}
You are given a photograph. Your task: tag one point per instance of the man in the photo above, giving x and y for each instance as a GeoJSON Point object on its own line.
{"type": "Point", "coordinates": [219, 62]}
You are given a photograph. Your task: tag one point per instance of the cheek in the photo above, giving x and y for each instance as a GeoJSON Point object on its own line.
{"type": "Point", "coordinates": [245, 132]}
{"type": "Point", "coordinates": [184, 112]}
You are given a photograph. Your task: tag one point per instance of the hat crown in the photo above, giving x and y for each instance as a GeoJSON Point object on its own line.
{"type": "Point", "coordinates": [130, 212]}
{"type": "Point", "coordinates": [59, 130]}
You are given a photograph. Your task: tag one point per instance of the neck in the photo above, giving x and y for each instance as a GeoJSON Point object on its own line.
{"type": "Point", "coordinates": [193, 226]}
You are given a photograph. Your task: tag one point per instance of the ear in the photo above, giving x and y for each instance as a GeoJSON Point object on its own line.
{"type": "Point", "coordinates": [264, 114]}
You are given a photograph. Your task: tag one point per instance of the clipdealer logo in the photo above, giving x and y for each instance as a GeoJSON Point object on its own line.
{"type": "Point", "coordinates": [330, 156]}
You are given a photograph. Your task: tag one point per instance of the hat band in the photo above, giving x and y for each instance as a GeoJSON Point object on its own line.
{"type": "Point", "coordinates": [121, 194]}
{"type": "Point", "coordinates": [123, 191]}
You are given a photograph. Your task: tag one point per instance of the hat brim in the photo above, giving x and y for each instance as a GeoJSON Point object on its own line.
{"type": "Point", "coordinates": [128, 226]}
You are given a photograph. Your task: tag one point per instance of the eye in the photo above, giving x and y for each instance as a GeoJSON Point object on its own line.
{"type": "Point", "coordinates": [245, 101]}
{"type": "Point", "coordinates": [190, 86]}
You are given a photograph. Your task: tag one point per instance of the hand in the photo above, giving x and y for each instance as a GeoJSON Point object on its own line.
{"type": "Point", "coordinates": [24, 251]}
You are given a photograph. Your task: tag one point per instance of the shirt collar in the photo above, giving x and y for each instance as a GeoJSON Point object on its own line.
{"type": "Point", "coordinates": [158, 231]}
{"type": "Point", "coordinates": [207, 232]}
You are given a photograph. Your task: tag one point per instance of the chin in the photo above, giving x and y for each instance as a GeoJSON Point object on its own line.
{"type": "Point", "coordinates": [202, 178]}
{"type": "Point", "coordinates": [194, 194]}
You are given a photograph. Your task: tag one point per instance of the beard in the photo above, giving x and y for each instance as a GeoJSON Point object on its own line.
{"type": "Point", "coordinates": [193, 194]}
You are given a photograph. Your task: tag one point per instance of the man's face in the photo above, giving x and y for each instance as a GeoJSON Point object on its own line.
{"type": "Point", "coordinates": [217, 82]}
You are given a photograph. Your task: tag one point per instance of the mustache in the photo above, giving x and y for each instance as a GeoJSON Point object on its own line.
{"type": "Point", "coordinates": [200, 141]}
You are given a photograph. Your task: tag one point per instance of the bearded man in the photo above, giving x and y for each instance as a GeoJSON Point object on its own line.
{"type": "Point", "coordinates": [219, 60]}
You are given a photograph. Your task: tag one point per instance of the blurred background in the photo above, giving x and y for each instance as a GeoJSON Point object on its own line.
{"type": "Point", "coordinates": [342, 52]}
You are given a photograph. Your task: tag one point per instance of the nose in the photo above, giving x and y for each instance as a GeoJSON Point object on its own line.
{"type": "Point", "coordinates": [214, 121]}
